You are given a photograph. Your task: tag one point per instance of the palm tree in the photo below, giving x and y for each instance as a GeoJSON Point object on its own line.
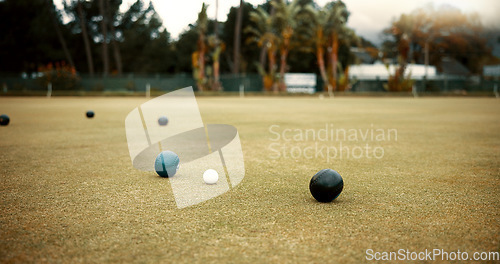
{"type": "Point", "coordinates": [264, 37]}
{"type": "Point", "coordinates": [237, 39]}
{"type": "Point", "coordinates": [328, 32]}
{"type": "Point", "coordinates": [216, 44]}
{"type": "Point", "coordinates": [335, 29]}
{"type": "Point", "coordinates": [284, 24]}
{"type": "Point", "coordinates": [199, 55]}
{"type": "Point", "coordinates": [275, 32]}
{"type": "Point", "coordinates": [317, 38]}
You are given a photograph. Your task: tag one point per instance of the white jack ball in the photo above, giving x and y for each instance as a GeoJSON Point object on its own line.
{"type": "Point", "coordinates": [210, 176]}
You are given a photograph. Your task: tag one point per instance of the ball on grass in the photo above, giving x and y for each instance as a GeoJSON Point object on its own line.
{"type": "Point", "coordinates": [90, 114]}
{"type": "Point", "coordinates": [4, 120]}
{"type": "Point", "coordinates": [210, 176]}
{"type": "Point", "coordinates": [163, 121]}
{"type": "Point", "coordinates": [326, 185]}
{"type": "Point", "coordinates": [167, 164]}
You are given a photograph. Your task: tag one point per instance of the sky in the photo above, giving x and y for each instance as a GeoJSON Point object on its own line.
{"type": "Point", "coordinates": [368, 17]}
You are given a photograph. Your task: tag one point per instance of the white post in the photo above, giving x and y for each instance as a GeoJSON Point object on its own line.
{"type": "Point", "coordinates": [49, 90]}
{"type": "Point", "coordinates": [495, 90]}
{"type": "Point", "coordinates": [148, 90]}
{"type": "Point", "coordinates": [242, 90]}
{"type": "Point", "coordinates": [414, 90]}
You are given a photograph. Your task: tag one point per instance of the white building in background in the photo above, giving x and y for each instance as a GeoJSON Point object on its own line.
{"type": "Point", "coordinates": [379, 70]}
{"type": "Point", "coordinates": [491, 70]}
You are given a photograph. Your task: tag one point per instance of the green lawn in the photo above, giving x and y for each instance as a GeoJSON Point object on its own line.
{"type": "Point", "coordinates": [69, 192]}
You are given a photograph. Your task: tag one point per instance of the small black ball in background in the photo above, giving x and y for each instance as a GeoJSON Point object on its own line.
{"type": "Point", "coordinates": [90, 114]}
{"type": "Point", "coordinates": [163, 121]}
{"type": "Point", "coordinates": [4, 120]}
{"type": "Point", "coordinates": [326, 185]}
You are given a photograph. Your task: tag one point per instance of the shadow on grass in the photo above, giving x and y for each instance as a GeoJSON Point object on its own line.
{"type": "Point", "coordinates": [337, 201]}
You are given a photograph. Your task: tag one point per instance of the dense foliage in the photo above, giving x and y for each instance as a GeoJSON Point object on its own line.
{"type": "Point", "coordinates": [276, 37]}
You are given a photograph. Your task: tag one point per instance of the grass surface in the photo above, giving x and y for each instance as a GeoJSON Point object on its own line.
{"type": "Point", "coordinates": [69, 193]}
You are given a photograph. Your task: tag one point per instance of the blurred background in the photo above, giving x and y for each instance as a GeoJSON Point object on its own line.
{"type": "Point", "coordinates": [350, 46]}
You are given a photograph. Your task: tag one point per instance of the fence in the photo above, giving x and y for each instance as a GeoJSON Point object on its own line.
{"type": "Point", "coordinates": [438, 84]}
{"type": "Point", "coordinates": [130, 82]}
{"type": "Point", "coordinates": [232, 83]}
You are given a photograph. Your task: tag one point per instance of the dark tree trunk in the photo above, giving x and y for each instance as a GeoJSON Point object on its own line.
{"type": "Point", "coordinates": [114, 44]}
{"type": "Point", "coordinates": [262, 56]}
{"type": "Point", "coordinates": [216, 22]}
{"type": "Point", "coordinates": [59, 33]}
{"type": "Point", "coordinates": [105, 57]}
{"type": "Point", "coordinates": [116, 52]}
{"type": "Point", "coordinates": [83, 26]}
{"type": "Point", "coordinates": [237, 40]}
{"type": "Point", "coordinates": [263, 49]}
{"type": "Point", "coordinates": [216, 65]}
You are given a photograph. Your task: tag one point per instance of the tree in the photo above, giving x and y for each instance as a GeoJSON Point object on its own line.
{"type": "Point", "coordinates": [183, 49]}
{"type": "Point", "coordinates": [247, 53]}
{"type": "Point", "coordinates": [262, 34]}
{"type": "Point", "coordinates": [300, 26]}
{"type": "Point", "coordinates": [217, 47]}
{"type": "Point", "coordinates": [112, 8]}
{"type": "Point", "coordinates": [209, 49]}
{"type": "Point", "coordinates": [329, 33]}
{"type": "Point", "coordinates": [274, 32]}
{"type": "Point", "coordinates": [104, 32]}
{"type": "Point", "coordinates": [336, 31]}
{"type": "Point", "coordinates": [237, 39]}
{"type": "Point", "coordinates": [402, 30]}
{"type": "Point", "coordinates": [85, 36]}
{"type": "Point", "coordinates": [321, 20]}
{"type": "Point", "coordinates": [301, 55]}
{"type": "Point", "coordinates": [447, 32]}
{"type": "Point", "coordinates": [284, 24]}
{"type": "Point", "coordinates": [136, 38]}
{"type": "Point", "coordinates": [56, 22]}
{"type": "Point", "coordinates": [198, 57]}
{"type": "Point", "coordinates": [144, 42]}
{"type": "Point", "coordinates": [86, 18]}
{"type": "Point", "coordinates": [29, 39]}
{"type": "Point", "coordinates": [82, 17]}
